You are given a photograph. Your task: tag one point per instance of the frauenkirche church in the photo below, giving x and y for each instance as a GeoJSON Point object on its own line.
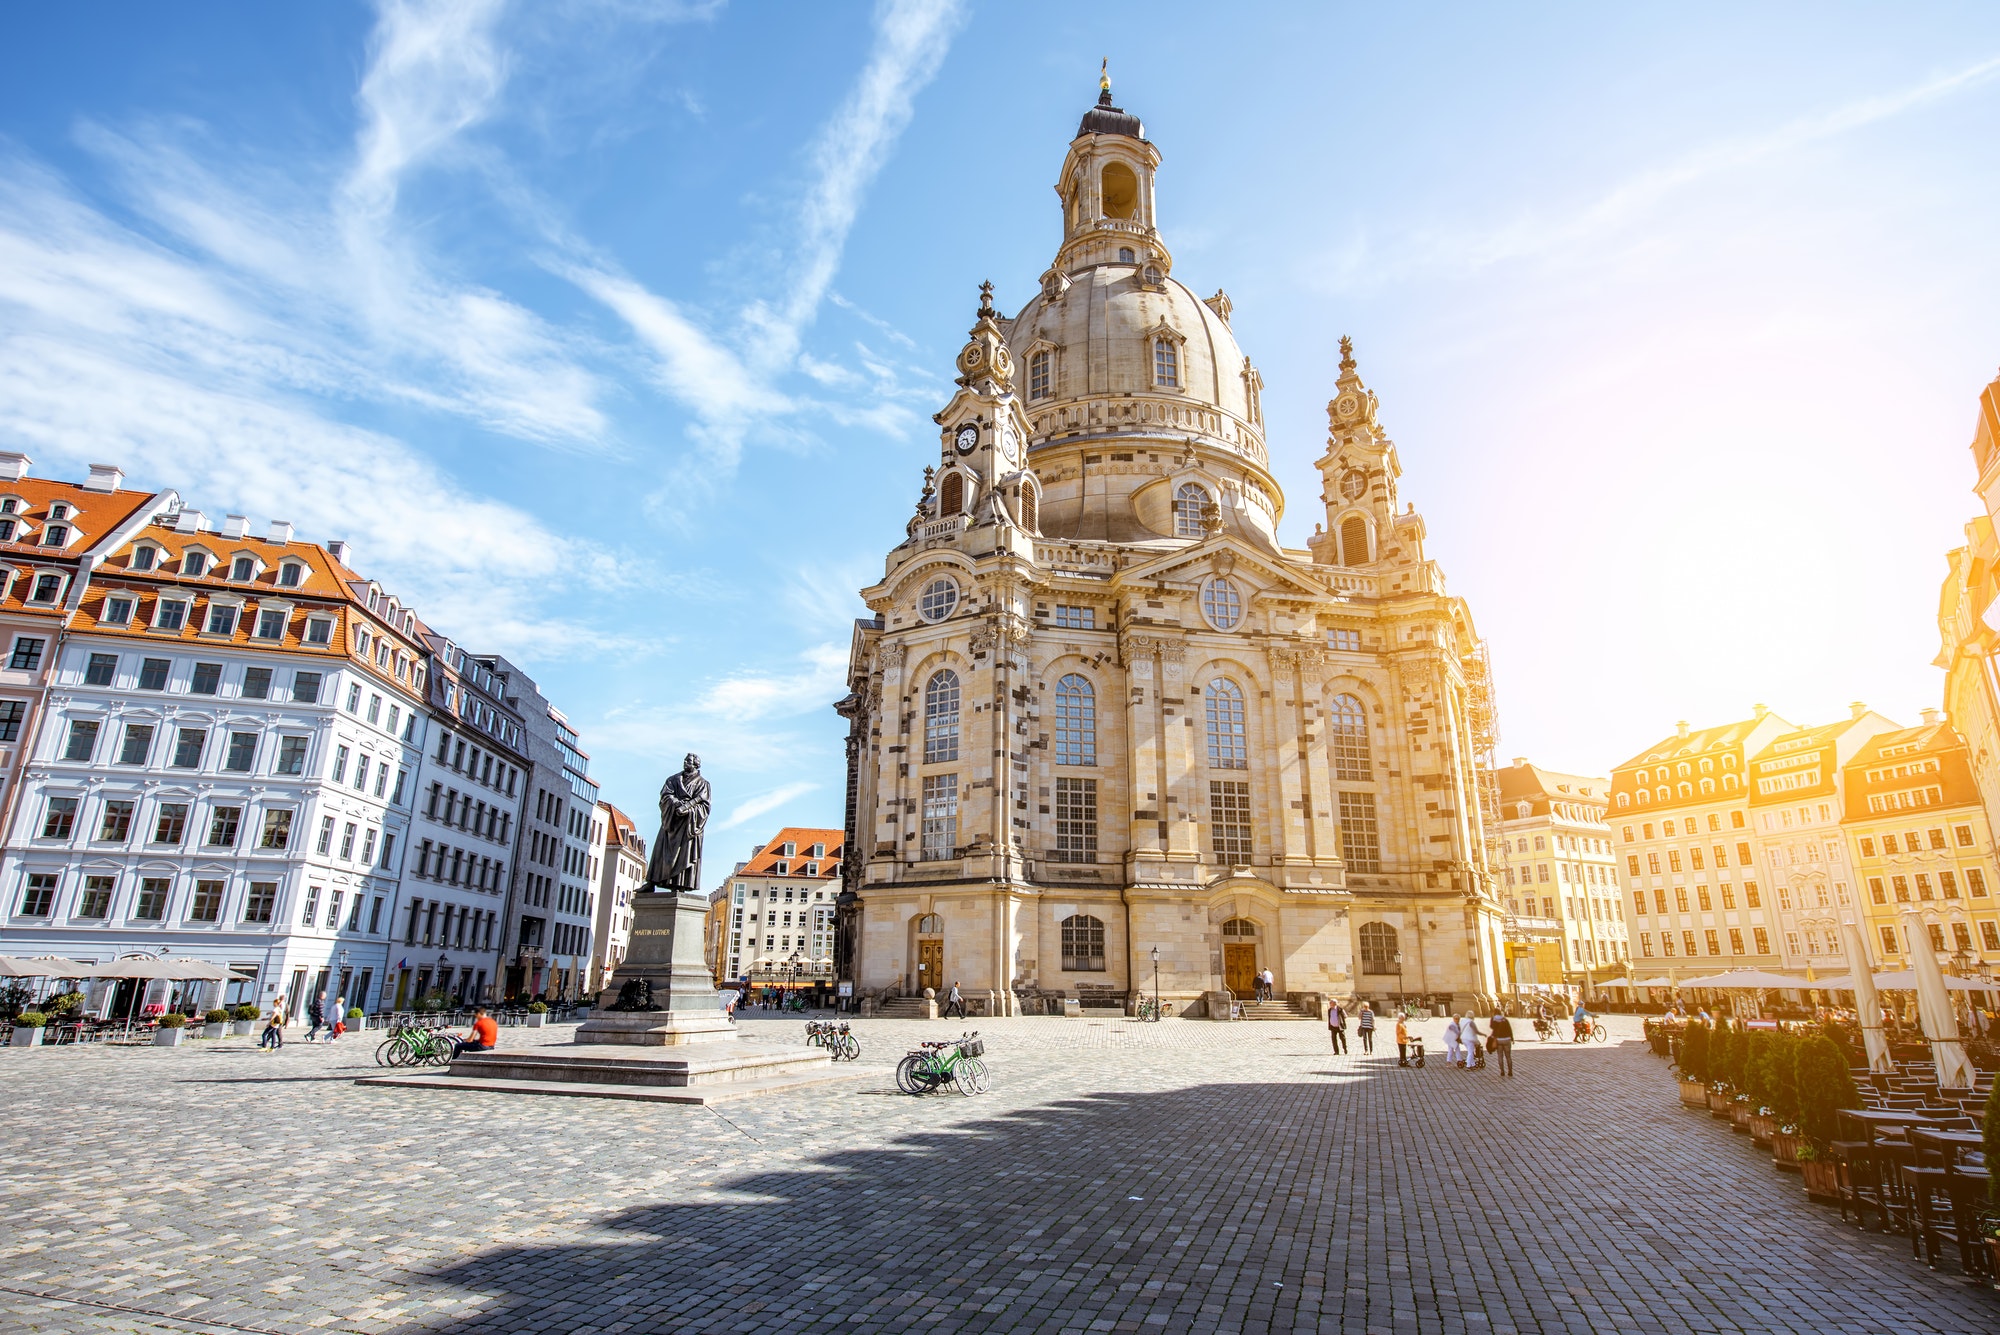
{"type": "Point", "coordinates": [1102, 718]}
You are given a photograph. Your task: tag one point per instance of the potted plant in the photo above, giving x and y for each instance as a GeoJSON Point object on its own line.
{"type": "Point", "coordinates": [1694, 1065]}
{"type": "Point", "coordinates": [1719, 1083]}
{"type": "Point", "coordinates": [215, 1023]}
{"type": "Point", "coordinates": [1757, 1084]}
{"type": "Point", "coordinates": [538, 1014]}
{"type": "Point", "coordinates": [1991, 1131]}
{"type": "Point", "coordinates": [357, 1018]}
{"type": "Point", "coordinates": [28, 1026]}
{"type": "Point", "coordinates": [1825, 1086]}
{"type": "Point", "coordinates": [172, 1028]}
{"type": "Point", "coordinates": [242, 1018]}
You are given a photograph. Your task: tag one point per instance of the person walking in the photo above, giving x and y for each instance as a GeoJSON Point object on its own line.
{"type": "Point", "coordinates": [1365, 1026]}
{"type": "Point", "coordinates": [316, 1012]}
{"type": "Point", "coordinates": [1471, 1040]}
{"type": "Point", "coordinates": [1402, 1039]}
{"type": "Point", "coordinates": [1502, 1033]}
{"type": "Point", "coordinates": [955, 1003]}
{"type": "Point", "coordinates": [1336, 1027]}
{"type": "Point", "coordinates": [1453, 1055]}
{"type": "Point", "coordinates": [339, 1025]}
{"type": "Point", "coordinates": [273, 1036]}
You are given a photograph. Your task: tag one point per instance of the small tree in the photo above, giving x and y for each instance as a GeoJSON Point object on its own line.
{"type": "Point", "coordinates": [1739, 1058]}
{"type": "Point", "coordinates": [1993, 1143]}
{"type": "Point", "coordinates": [1694, 1051]}
{"type": "Point", "coordinates": [1718, 1052]}
{"type": "Point", "coordinates": [1757, 1069]}
{"type": "Point", "coordinates": [1784, 1077]}
{"type": "Point", "coordinates": [1825, 1087]}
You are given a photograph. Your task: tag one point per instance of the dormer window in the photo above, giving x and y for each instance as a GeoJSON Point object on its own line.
{"type": "Point", "coordinates": [1189, 502]}
{"type": "Point", "coordinates": [291, 574]}
{"type": "Point", "coordinates": [117, 611]}
{"type": "Point", "coordinates": [1041, 381]}
{"type": "Point", "coordinates": [143, 558]}
{"type": "Point", "coordinates": [1125, 255]}
{"type": "Point", "coordinates": [244, 569]}
{"type": "Point", "coordinates": [194, 563]}
{"type": "Point", "coordinates": [47, 588]}
{"type": "Point", "coordinates": [361, 640]}
{"type": "Point", "coordinates": [221, 619]}
{"type": "Point", "coordinates": [59, 511]}
{"type": "Point", "coordinates": [1166, 363]}
{"type": "Point", "coordinates": [319, 630]}
{"type": "Point", "coordinates": [55, 535]}
{"type": "Point", "coordinates": [6, 530]}
{"type": "Point", "coordinates": [10, 506]}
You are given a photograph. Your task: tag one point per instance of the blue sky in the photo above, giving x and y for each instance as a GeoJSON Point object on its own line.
{"type": "Point", "coordinates": [608, 333]}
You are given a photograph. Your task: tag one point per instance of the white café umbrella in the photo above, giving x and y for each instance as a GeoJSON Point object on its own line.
{"type": "Point", "coordinates": [47, 967]}
{"type": "Point", "coordinates": [1954, 1069]}
{"type": "Point", "coordinates": [1905, 980]}
{"type": "Point", "coordinates": [1757, 980]}
{"type": "Point", "coordinates": [1866, 1003]}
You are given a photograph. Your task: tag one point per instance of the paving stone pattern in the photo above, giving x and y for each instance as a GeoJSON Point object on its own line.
{"type": "Point", "coordinates": [1181, 1176]}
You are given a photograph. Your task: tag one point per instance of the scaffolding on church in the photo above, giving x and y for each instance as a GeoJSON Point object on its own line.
{"type": "Point", "coordinates": [1482, 716]}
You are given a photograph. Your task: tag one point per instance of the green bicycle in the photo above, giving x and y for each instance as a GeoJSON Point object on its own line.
{"type": "Point", "coordinates": [931, 1066]}
{"type": "Point", "coordinates": [416, 1045]}
{"type": "Point", "coordinates": [1151, 1010]}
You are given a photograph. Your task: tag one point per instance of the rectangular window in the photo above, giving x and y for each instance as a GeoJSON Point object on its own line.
{"type": "Point", "coordinates": [374, 708]}
{"type": "Point", "coordinates": [207, 905]}
{"type": "Point", "coordinates": [11, 714]}
{"type": "Point", "coordinates": [310, 915]}
{"type": "Point", "coordinates": [1076, 820]}
{"type": "Point", "coordinates": [259, 903]}
{"type": "Point", "coordinates": [171, 614]}
{"type": "Point", "coordinates": [221, 619]}
{"type": "Point", "coordinates": [325, 834]}
{"type": "Point", "coordinates": [277, 830]}
{"type": "Point", "coordinates": [96, 899]}
{"type": "Point", "coordinates": [257, 683]}
{"type": "Point", "coordinates": [1229, 820]}
{"type": "Point", "coordinates": [305, 687]}
{"type": "Point", "coordinates": [1360, 838]}
{"type": "Point", "coordinates": [1714, 945]}
{"type": "Point", "coordinates": [1975, 881]}
{"type": "Point", "coordinates": [354, 695]}
{"type": "Point", "coordinates": [270, 625]}
{"type": "Point", "coordinates": [222, 824]}
{"type": "Point", "coordinates": [118, 611]}
{"type": "Point", "coordinates": [171, 827]}
{"type": "Point", "coordinates": [1632, 864]}
{"type": "Point", "coordinates": [1681, 898]}
{"type": "Point", "coordinates": [1076, 618]}
{"type": "Point", "coordinates": [1701, 897]}
{"type": "Point", "coordinates": [319, 631]}
{"type": "Point", "coordinates": [1751, 899]}
{"type": "Point", "coordinates": [347, 840]}
{"type": "Point", "coordinates": [207, 679]}
{"type": "Point", "coordinates": [1736, 941]}
{"type": "Point", "coordinates": [188, 743]}
{"type": "Point", "coordinates": [333, 908]}
{"type": "Point", "coordinates": [116, 826]}
{"type": "Point", "coordinates": [1687, 940]}
{"type": "Point", "coordinates": [152, 902]}
{"type": "Point", "coordinates": [1673, 859]}
{"type": "Point", "coordinates": [361, 773]}
{"type": "Point", "coordinates": [27, 654]}
{"type": "Point", "coordinates": [82, 741]}
{"type": "Point", "coordinates": [1763, 940]}
{"type": "Point", "coordinates": [60, 818]}
{"type": "Point", "coordinates": [1902, 887]}
{"type": "Point", "coordinates": [38, 896]}
{"type": "Point", "coordinates": [103, 669]}
{"type": "Point", "coordinates": [1963, 834]}
{"type": "Point", "coordinates": [153, 673]}
{"type": "Point", "coordinates": [1639, 902]}
{"type": "Point", "coordinates": [1890, 945]}
{"type": "Point", "coordinates": [940, 816]}
{"type": "Point", "coordinates": [1989, 935]}
{"type": "Point", "coordinates": [291, 755]}
{"type": "Point", "coordinates": [340, 756]}
{"type": "Point", "coordinates": [242, 757]}
{"type": "Point", "coordinates": [1347, 641]}
{"type": "Point", "coordinates": [368, 847]}
{"type": "Point", "coordinates": [1166, 364]}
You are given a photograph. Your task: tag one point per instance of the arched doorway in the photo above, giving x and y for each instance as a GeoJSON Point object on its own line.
{"type": "Point", "coordinates": [1239, 958]}
{"type": "Point", "coordinates": [1379, 953]}
{"type": "Point", "coordinates": [929, 952]}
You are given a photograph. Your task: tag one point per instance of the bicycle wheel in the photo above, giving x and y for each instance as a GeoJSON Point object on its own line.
{"type": "Point", "coordinates": [385, 1052]}
{"type": "Point", "coordinates": [1597, 1033]}
{"type": "Point", "coordinates": [850, 1047]}
{"type": "Point", "coordinates": [906, 1075]}
{"type": "Point", "coordinates": [970, 1076]}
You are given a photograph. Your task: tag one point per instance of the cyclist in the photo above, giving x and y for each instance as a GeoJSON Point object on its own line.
{"type": "Point", "coordinates": [1580, 1022]}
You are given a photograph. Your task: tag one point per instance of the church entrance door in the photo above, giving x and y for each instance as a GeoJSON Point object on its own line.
{"type": "Point", "coordinates": [1239, 969]}
{"type": "Point", "coordinates": [930, 965]}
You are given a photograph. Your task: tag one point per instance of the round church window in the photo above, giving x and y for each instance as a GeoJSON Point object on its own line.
{"type": "Point", "coordinates": [939, 597]}
{"type": "Point", "coordinates": [1222, 604]}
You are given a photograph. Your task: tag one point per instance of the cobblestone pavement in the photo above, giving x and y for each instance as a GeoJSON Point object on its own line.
{"type": "Point", "coordinates": [1182, 1176]}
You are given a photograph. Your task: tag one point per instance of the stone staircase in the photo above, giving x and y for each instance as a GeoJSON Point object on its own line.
{"type": "Point", "coordinates": [905, 1008]}
{"type": "Point", "coordinates": [1272, 1010]}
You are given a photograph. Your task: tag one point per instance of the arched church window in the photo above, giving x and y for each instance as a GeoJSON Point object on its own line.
{"type": "Point", "coordinates": [1350, 741]}
{"type": "Point", "coordinates": [1040, 384]}
{"type": "Point", "coordinates": [1189, 502]}
{"type": "Point", "coordinates": [1222, 603]}
{"type": "Point", "coordinates": [1076, 721]}
{"type": "Point", "coordinates": [1239, 927]}
{"type": "Point", "coordinates": [1166, 363]}
{"type": "Point", "coordinates": [1227, 747]}
{"type": "Point", "coordinates": [1378, 948]}
{"type": "Point", "coordinates": [1354, 541]}
{"type": "Point", "coordinates": [930, 925]}
{"type": "Point", "coordinates": [1121, 190]}
{"type": "Point", "coordinates": [1031, 508]}
{"type": "Point", "coordinates": [941, 717]}
{"type": "Point", "coordinates": [951, 495]}
{"type": "Point", "coordinates": [1083, 944]}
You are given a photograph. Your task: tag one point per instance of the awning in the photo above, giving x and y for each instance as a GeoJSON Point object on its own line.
{"type": "Point", "coordinates": [47, 967]}
{"type": "Point", "coordinates": [1748, 980]}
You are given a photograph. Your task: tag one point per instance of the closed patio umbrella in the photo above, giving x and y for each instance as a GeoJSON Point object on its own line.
{"type": "Point", "coordinates": [1756, 980]}
{"type": "Point", "coordinates": [1905, 980]}
{"type": "Point", "coordinates": [1862, 984]}
{"type": "Point", "coordinates": [1954, 1069]}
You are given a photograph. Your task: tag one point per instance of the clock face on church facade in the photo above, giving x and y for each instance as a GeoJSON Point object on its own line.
{"type": "Point", "coordinates": [967, 438]}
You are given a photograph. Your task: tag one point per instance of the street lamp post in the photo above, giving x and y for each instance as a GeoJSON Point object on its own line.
{"type": "Point", "coordinates": [1156, 980]}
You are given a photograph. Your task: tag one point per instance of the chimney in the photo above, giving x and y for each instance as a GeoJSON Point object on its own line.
{"type": "Point", "coordinates": [104, 477]}
{"type": "Point", "coordinates": [1929, 716]}
{"type": "Point", "coordinates": [281, 531]}
{"type": "Point", "coordinates": [235, 526]}
{"type": "Point", "coordinates": [337, 549]}
{"type": "Point", "coordinates": [13, 466]}
{"type": "Point", "coordinates": [191, 521]}
{"type": "Point", "coordinates": [1856, 709]}
{"type": "Point", "coordinates": [1681, 729]}
{"type": "Point", "coordinates": [1760, 711]}
{"type": "Point", "coordinates": [1520, 762]}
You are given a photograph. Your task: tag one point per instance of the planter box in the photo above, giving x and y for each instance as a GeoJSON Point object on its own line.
{"type": "Point", "coordinates": [1822, 1178]}
{"type": "Point", "coordinates": [168, 1038]}
{"type": "Point", "coordinates": [216, 1030]}
{"type": "Point", "coordinates": [534, 1020]}
{"type": "Point", "coordinates": [1719, 1105]}
{"type": "Point", "coordinates": [1785, 1152]}
{"type": "Point", "coordinates": [1762, 1129]}
{"type": "Point", "coordinates": [1739, 1118]}
{"type": "Point", "coordinates": [26, 1038]}
{"type": "Point", "coordinates": [1694, 1094]}
{"type": "Point", "coordinates": [241, 1028]}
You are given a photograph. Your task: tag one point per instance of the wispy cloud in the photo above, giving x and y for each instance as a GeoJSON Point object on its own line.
{"type": "Point", "coordinates": [754, 717]}
{"type": "Point", "coordinates": [756, 806]}
{"type": "Point", "coordinates": [1454, 250]}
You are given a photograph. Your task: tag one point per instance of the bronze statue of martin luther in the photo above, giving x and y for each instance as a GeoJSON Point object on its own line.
{"type": "Point", "coordinates": [675, 866]}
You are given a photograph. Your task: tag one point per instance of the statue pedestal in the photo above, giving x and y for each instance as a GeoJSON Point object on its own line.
{"type": "Point", "coordinates": [667, 953]}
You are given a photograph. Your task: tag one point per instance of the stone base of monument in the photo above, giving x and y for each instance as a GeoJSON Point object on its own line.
{"type": "Point", "coordinates": [713, 1072]}
{"type": "Point", "coordinates": [658, 1029]}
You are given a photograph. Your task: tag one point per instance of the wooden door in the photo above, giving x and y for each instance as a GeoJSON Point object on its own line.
{"type": "Point", "coordinates": [1239, 969]}
{"type": "Point", "coordinates": [930, 965]}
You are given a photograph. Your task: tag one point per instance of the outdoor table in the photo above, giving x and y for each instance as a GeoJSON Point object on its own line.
{"type": "Point", "coordinates": [1951, 1144]}
{"type": "Point", "coordinates": [1876, 1120]}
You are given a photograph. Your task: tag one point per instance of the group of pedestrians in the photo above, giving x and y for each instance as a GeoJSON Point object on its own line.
{"type": "Point", "coordinates": [1464, 1046]}
{"type": "Point", "coordinates": [334, 1022]}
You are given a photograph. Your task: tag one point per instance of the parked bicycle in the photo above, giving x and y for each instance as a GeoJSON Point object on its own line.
{"type": "Point", "coordinates": [416, 1044]}
{"type": "Point", "coordinates": [1151, 1009]}
{"type": "Point", "coordinates": [931, 1066]}
{"type": "Point", "coordinates": [837, 1039]}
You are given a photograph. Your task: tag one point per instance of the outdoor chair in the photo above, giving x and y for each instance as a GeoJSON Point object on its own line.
{"type": "Point", "coordinates": [1931, 1210]}
{"type": "Point", "coordinates": [1891, 1159]}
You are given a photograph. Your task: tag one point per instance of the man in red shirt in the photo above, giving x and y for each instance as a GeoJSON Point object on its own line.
{"type": "Point", "coordinates": [485, 1034]}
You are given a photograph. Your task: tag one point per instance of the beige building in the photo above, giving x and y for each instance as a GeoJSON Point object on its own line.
{"type": "Point", "coordinates": [1101, 710]}
{"type": "Point", "coordinates": [620, 875]}
{"type": "Point", "coordinates": [1969, 620]}
{"type": "Point", "coordinates": [1558, 876]}
{"type": "Point", "coordinates": [772, 920]}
